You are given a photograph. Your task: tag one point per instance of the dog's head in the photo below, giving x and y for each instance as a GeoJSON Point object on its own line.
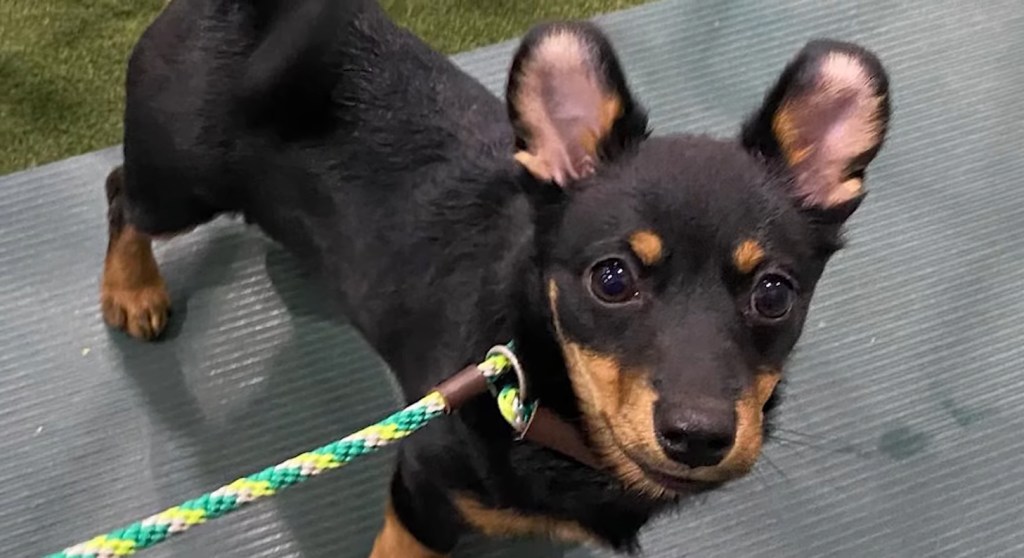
{"type": "Point", "coordinates": [678, 270]}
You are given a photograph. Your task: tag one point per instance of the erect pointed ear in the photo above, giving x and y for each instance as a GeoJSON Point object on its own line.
{"type": "Point", "coordinates": [569, 103]}
{"type": "Point", "coordinates": [825, 119]}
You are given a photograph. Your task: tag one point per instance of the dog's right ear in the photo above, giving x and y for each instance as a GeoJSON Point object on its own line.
{"type": "Point", "coordinates": [569, 103]}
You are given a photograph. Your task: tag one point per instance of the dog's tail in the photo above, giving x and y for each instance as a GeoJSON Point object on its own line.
{"type": "Point", "coordinates": [294, 38]}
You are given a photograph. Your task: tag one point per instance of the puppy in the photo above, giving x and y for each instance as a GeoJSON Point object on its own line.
{"type": "Point", "coordinates": [654, 286]}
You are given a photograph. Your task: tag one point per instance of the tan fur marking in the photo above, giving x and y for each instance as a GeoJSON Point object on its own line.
{"type": "Point", "coordinates": [133, 295]}
{"type": "Point", "coordinates": [394, 541]}
{"type": "Point", "coordinates": [509, 523]}
{"type": "Point", "coordinates": [749, 429]}
{"type": "Point", "coordinates": [747, 256]}
{"type": "Point", "coordinates": [538, 166]}
{"type": "Point", "coordinates": [618, 411]}
{"type": "Point", "coordinates": [647, 246]}
{"type": "Point", "coordinates": [617, 405]}
{"type": "Point", "coordinates": [846, 191]}
{"type": "Point", "coordinates": [611, 110]}
{"type": "Point", "coordinates": [788, 136]}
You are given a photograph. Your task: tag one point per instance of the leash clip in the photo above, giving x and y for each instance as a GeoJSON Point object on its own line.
{"type": "Point", "coordinates": [529, 421]}
{"type": "Point", "coordinates": [518, 412]}
{"type": "Point", "coordinates": [506, 352]}
{"type": "Point", "coordinates": [513, 400]}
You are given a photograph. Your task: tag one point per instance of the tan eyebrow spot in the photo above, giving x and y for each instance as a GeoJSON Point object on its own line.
{"type": "Point", "coordinates": [647, 246]}
{"type": "Point", "coordinates": [747, 256]}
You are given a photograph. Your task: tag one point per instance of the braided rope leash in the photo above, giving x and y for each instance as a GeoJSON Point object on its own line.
{"type": "Point", "coordinates": [226, 499]}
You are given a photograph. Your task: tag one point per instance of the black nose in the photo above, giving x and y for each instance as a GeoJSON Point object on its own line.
{"type": "Point", "coordinates": [696, 436]}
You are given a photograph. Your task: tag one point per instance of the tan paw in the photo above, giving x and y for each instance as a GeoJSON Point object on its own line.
{"type": "Point", "coordinates": [141, 312]}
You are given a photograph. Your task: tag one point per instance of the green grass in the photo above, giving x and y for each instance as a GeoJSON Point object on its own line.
{"type": "Point", "coordinates": [62, 61]}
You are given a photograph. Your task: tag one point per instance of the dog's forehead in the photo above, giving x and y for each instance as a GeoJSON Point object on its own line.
{"type": "Point", "coordinates": [684, 189]}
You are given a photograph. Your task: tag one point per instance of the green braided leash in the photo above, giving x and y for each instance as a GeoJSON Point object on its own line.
{"type": "Point", "coordinates": [226, 499]}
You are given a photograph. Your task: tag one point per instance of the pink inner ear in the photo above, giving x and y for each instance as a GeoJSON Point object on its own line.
{"type": "Point", "coordinates": [855, 125]}
{"type": "Point", "coordinates": [574, 108]}
{"type": "Point", "coordinates": [564, 105]}
{"type": "Point", "coordinates": [825, 129]}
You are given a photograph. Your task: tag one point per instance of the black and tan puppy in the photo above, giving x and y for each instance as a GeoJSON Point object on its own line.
{"type": "Point", "coordinates": [654, 285]}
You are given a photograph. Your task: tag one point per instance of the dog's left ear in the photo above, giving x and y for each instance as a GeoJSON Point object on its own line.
{"type": "Point", "coordinates": [825, 119]}
{"type": "Point", "coordinates": [569, 103]}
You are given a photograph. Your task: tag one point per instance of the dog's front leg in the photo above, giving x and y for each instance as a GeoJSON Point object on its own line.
{"type": "Point", "coordinates": [395, 541]}
{"type": "Point", "coordinates": [133, 295]}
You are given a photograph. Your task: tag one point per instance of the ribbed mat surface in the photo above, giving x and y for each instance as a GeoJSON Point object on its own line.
{"type": "Point", "coordinates": [902, 430]}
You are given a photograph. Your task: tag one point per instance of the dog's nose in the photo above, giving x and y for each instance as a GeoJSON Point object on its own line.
{"type": "Point", "coordinates": [696, 437]}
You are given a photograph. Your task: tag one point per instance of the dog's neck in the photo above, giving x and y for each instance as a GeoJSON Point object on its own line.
{"type": "Point", "coordinates": [537, 345]}
{"type": "Point", "coordinates": [528, 321]}
{"type": "Point", "coordinates": [556, 423]}
{"type": "Point", "coordinates": [539, 351]}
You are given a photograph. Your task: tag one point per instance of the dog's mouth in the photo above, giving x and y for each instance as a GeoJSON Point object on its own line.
{"type": "Point", "coordinates": [677, 484]}
{"type": "Point", "coordinates": [656, 480]}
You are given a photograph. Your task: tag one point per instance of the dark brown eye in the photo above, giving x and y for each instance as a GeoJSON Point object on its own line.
{"type": "Point", "coordinates": [773, 296]}
{"type": "Point", "coordinates": [612, 281]}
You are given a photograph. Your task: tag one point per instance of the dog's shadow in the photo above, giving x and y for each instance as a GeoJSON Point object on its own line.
{"type": "Point", "coordinates": [306, 378]}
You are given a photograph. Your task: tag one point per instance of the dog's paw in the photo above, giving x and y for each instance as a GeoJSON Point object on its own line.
{"type": "Point", "coordinates": [140, 311]}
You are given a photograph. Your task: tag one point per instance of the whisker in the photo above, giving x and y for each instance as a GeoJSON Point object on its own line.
{"type": "Point", "coordinates": [828, 442]}
{"type": "Point", "coordinates": [775, 467]}
{"type": "Point", "coordinates": [843, 450]}
{"type": "Point", "coordinates": [760, 476]}
{"type": "Point", "coordinates": [803, 434]}
{"type": "Point", "coordinates": [787, 443]}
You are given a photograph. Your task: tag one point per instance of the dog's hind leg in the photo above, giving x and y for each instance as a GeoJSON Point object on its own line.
{"type": "Point", "coordinates": [133, 296]}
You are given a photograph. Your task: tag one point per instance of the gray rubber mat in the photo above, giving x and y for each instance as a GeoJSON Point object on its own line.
{"type": "Point", "coordinates": [902, 433]}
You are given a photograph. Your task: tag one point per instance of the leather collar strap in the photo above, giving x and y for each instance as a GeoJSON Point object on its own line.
{"type": "Point", "coordinates": [552, 431]}
{"type": "Point", "coordinates": [546, 428]}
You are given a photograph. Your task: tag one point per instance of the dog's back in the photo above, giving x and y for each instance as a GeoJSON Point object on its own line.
{"type": "Point", "coordinates": [218, 92]}
{"type": "Point", "coordinates": [338, 133]}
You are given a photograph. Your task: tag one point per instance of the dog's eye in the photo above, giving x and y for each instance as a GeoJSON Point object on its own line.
{"type": "Point", "coordinates": [612, 281]}
{"type": "Point", "coordinates": [773, 296]}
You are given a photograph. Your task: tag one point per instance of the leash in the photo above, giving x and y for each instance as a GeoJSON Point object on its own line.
{"type": "Point", "coordinates": [525, 416]}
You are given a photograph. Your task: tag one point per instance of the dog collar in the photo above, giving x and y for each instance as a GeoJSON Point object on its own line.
{"type": "Point", "coordinates": [529, 420]}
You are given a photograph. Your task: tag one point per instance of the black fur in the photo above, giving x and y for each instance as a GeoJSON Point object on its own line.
{"type": "Point", "coordinates": [391, 172]}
